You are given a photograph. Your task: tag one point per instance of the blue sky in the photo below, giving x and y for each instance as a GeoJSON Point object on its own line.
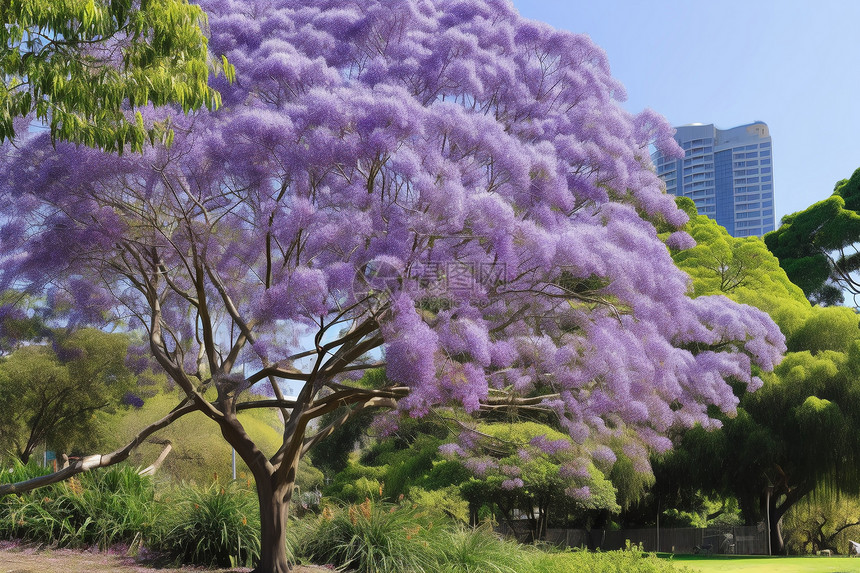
{"type": "Point", "coordinates": [794, 65]}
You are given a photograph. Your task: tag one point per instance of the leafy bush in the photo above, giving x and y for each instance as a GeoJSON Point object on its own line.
{"type": "Point", "coordinates": [446, 500]}
{"type": "Point", "coordinates": [217, 525]}
{"type": "Point", "coordinates": [356, 483]}
{"type": "Point", "coordinates": [609, 562]}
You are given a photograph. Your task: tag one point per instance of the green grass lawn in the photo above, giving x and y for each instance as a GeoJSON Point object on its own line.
{"type": "Point", "coordinates": [743, 564]}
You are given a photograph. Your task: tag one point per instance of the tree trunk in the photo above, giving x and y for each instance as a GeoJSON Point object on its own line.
{"type": "Point", "coordinates": [274, 508]}
{"type": "Point", "coordinates": [274, 492]}
{"type": "Point", "coordinates": [542, 521]}
{"type": "Point", "coordinates": [777, 511]}
{"type": "Point", "coordinates": [777, 543]}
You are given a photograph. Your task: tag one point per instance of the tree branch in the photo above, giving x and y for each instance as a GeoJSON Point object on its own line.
{"type": "Point", "coordinates": [99, 460]}
{"type": "Point", "coordinates": [377, 402]}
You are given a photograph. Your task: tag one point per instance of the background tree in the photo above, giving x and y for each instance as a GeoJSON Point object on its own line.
{"type": "Point", "coordinates": [799, 432]}
{"type": "Point", "coordinates": [822, 521]}
{"type": "Point", "coordinates": [446, 189]}
{"type": "Point", "coordinates": [818, 247]}
{"type": "Point", "coordinates": [53, 393]}
{"type": "Point", "coordinates": [83, 67]}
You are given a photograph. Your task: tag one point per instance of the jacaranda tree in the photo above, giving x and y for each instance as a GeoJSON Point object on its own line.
{"type": "Point", "coordinates": [439, 187]}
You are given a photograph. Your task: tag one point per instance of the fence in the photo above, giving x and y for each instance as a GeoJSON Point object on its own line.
{"type": "Point", "coordinates": [740, 540]}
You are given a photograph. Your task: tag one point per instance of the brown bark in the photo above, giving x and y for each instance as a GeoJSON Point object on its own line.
{"type": "Point", "coordinates": [789, 497]}
{"type": "Point", "coordinates": [274, 508]}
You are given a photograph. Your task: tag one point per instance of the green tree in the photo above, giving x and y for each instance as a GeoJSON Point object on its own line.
{"type": "Point", "coordinates": [822, 521]}
{"type": "Point", "coordinates": [740, 268]}
{"type": "Point", "coordinates": [84, 66]}
{"type": "Point", "coordinates": [801, 430]}
{"type": "Point", "coordinates": [53, 393]}
{"type": "Point", "coordinates": [818, 247]}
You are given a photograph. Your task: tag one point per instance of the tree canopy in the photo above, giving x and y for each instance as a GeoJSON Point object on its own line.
{"type": "Point", "coordinates": [441, 188]}
{"type": "Point", "coordinates": [818, 247]}
{"type": "Point", "coordinates": [799, 433]}
{"type": "Point", "coordinates": [89, 68]}
{"type": "Point", "coordinates": [52, 392]}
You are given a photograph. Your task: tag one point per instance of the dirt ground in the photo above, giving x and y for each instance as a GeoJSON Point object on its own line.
{"type": "Point", "coordinates": [37, 560]}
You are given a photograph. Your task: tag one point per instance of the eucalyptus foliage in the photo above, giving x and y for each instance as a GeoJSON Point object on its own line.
{"type": "Point", "coordinates": [88, 68]}
{"type": "Point", "coordinates": [53, 393]}
{"type": "Point", "coordinates": [818, 247]}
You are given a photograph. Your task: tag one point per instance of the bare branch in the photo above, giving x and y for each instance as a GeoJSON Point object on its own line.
{"type": "Point", "coordinates": [99, 460]}
{"type": "Point", "coordinates": [378, 402]}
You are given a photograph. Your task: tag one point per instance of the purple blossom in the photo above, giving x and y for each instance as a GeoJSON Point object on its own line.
{"type": "Point", "coordinates": [581, 493]}
{"type": "Point", "coordinates": [512, 484]}
{"type": "Point", "coordinates": [604, 455]}
{"type": "Point", "coordinates": [680, 240]}
{"type": "Point", "coordinates": [451, 450]}
{"type": "Point", "coordinates": [512, 471]}
{"type": "Point", "coordinates": [550, 446]}
{"type": "Point", "coordinates": [131, 399]}
{"type": "Point", "coordinates": [385, 424]}
{"type": "Point", "coordinates": [480, 466]}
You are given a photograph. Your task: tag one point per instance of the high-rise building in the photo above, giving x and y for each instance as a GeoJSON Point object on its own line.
{"type": "Point", "coordinates": [728, 173]}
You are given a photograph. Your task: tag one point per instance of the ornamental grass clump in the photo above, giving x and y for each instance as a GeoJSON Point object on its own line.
{"type": "Point", "coordinates": [216, 526]}
{"type": "Point", "coordinates": [371, 537]}
{"type": "Point", "coordinates": [479, 550]}
{"type": "Point", "coordinates": [95, 509]}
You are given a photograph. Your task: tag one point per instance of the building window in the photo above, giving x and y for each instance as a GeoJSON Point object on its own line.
{"type": "Point", "coordinates": [748, 215]}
